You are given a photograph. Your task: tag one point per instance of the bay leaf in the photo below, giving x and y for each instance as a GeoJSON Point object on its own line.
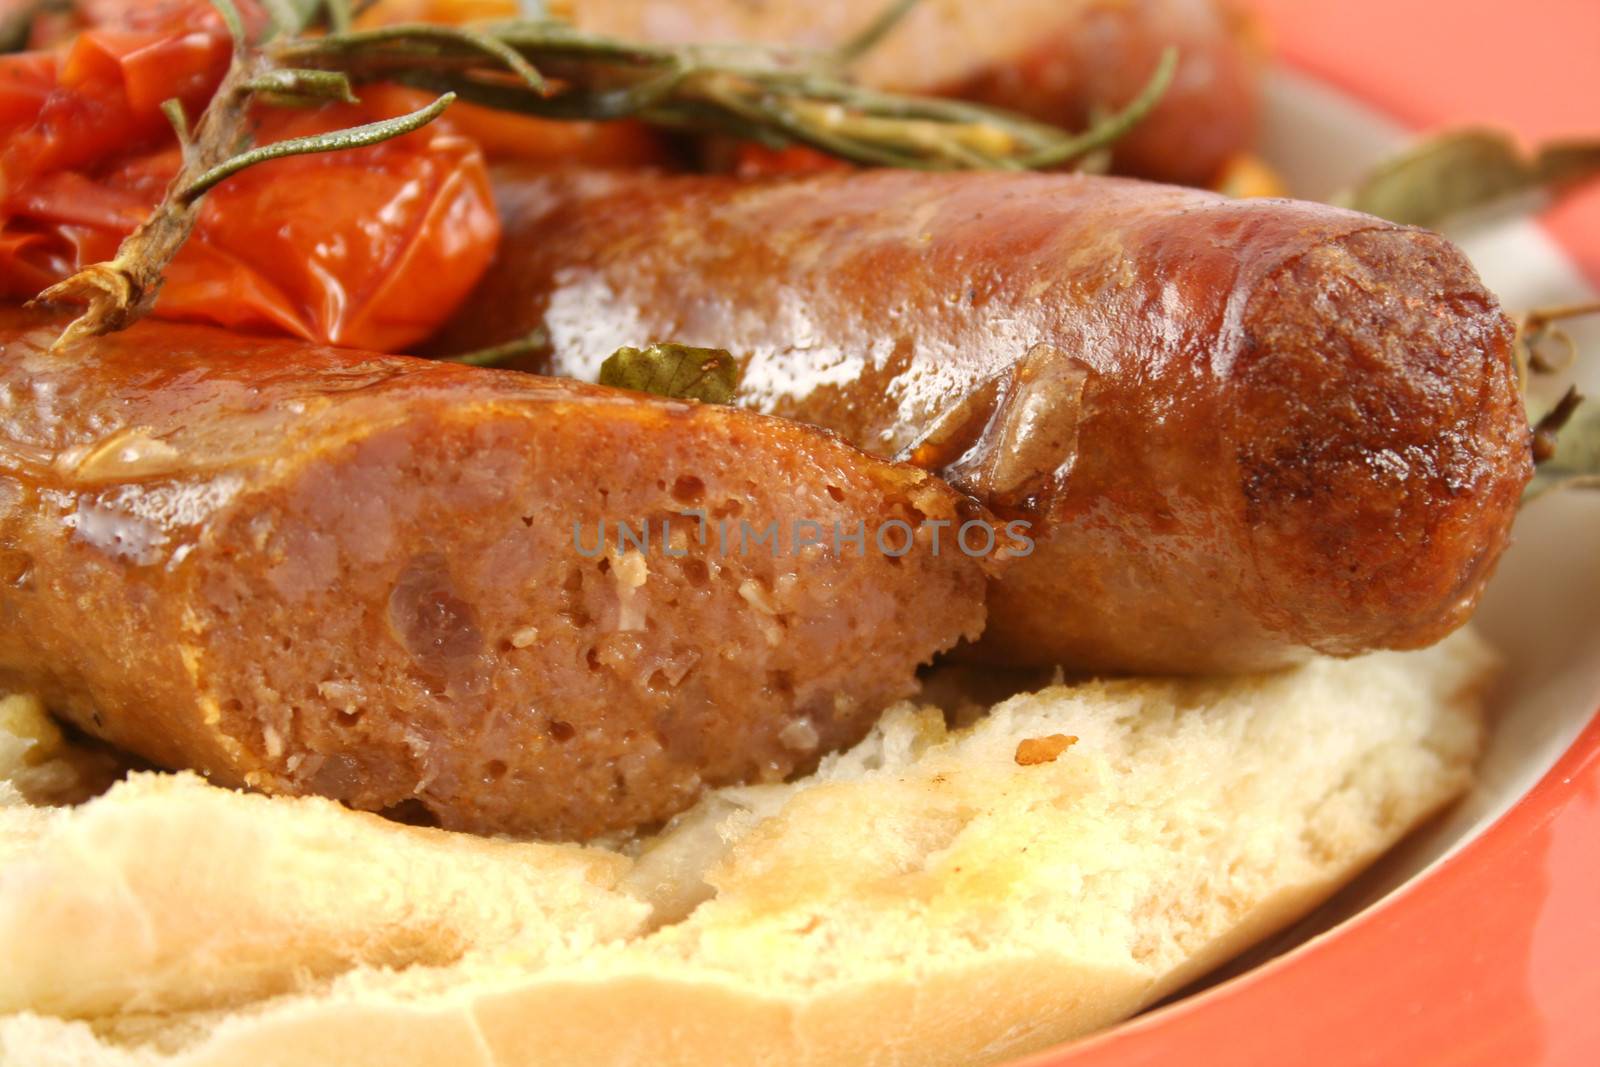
{"type": "Point", "coordinates": [1575, 460]}
{"type": "Point", "coordinates": [1467, 170]}
{"type": "Point", "coordinates": [681, 372]}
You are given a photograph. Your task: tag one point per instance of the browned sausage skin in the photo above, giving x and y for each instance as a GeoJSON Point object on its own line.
{"type": "Point", "coordinates": [1245, 429]}
{"type": "Point", "coordinates": [1061, 61]}
{"type": "Point", "coordinates": [311, 571]}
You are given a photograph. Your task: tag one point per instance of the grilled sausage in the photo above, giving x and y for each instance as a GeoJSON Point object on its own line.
{"type": "Point", "coordinates": [1058, 60]}
{"type": "Point", "coordinates": [1244, 429]}
{"type": "Point", "coordinates": [312, 571]}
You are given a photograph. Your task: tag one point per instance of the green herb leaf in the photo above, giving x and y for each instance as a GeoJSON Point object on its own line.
{"type": "Point", "coordinates": [230, 18]}
{"type": "Point", "coordinates": [341, 13]}
{"type": "Point", "coordinates": [876, 30]}
{"type": "Point", "coordinates": [392, 49]}
{"type": "Point", "coordinates": [356, 137]}
{"type": "Point", "coordinates": [1117, 125]}
{"type": "Point", "coordinates": [1467, 170]}
{"type": "Point", "coordinates": [290, 17]}
{"type": "Point", "coordinates": [314, 86]}
{"type": "Point", "coordinates": [173, 110]}
{"type": "Point", "coordinates": [677, 371]}
{"type": "Point", "coordinates": [773, 95]}
{"type": "Point", "coordinates": [1568, 439]}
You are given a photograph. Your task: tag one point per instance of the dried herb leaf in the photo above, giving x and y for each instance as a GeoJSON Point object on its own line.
{"type": "Point", "coordinates": [678, 371]}
{"type": "Point", "coordinates": [1566, 436]}
{"type": "Point", "coordinates": [1540, 335]}
{"type": "Point", "coordinates": [1468, 170]}
{"type": "Point", "coordinates": [1547, 429]}
{"type": "Point", "coordinates": [1574, 462]}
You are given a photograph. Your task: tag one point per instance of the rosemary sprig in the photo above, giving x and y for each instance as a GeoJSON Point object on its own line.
{"type": "Point", "coordinates": [534, 341]}
{"type": "Point", "coordinates": [547, 68]}
{"type": "Point", "coordinates": [296, 87]}
{"type": "Point", "coordinates": [119, 292]}
{"type": "Point", "coordinates": [356, 137]}
{"type": "Point", "coordinates": [772, 95]}
{"type": "Point", "coordinates": [875, 31]}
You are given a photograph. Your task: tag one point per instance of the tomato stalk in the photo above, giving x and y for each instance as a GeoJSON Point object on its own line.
{"type": "Point", "coordinates": [118, 292]}
{"type": "Point", "coordinates": [122, 290]}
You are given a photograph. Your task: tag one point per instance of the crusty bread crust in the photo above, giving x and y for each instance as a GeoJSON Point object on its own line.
{"type": "Point", "coordinates": [921, 899]}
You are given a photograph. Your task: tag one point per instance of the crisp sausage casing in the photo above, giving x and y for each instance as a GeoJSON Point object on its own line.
{"type": "Point", "coordinates": [312, 571]}
{"type": "Point", "coordinates": [1062, 61]}
{"type": "Point", "coordinates": [1245, 430]}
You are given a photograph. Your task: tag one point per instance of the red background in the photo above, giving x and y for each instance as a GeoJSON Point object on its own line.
{"type": "Point", "coordinates": [1532, 66]}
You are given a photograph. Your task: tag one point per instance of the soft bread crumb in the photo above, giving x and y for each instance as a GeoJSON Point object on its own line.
{"type": "Point", "coordinates": [182, 895]}
{"type": "Point", "coordinates": [920, 899]}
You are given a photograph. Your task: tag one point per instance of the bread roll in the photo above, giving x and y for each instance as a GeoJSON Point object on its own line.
{"type": "Point", "coordinates": [935, 895]}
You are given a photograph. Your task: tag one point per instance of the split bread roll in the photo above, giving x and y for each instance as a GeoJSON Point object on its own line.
{"type": "Point", "coordinates": [935, 895]}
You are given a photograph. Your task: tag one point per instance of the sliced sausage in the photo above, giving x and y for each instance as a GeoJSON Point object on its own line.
{"type": "Point", "coordinates": [381, 579]}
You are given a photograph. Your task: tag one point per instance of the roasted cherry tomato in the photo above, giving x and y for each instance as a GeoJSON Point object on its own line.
{"type": "Point", "coordinates": [508, 137]}
{"type": "Point", "coordinates": [371, 248]}
{"type": "Point", "coordinates": [445, 12]}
